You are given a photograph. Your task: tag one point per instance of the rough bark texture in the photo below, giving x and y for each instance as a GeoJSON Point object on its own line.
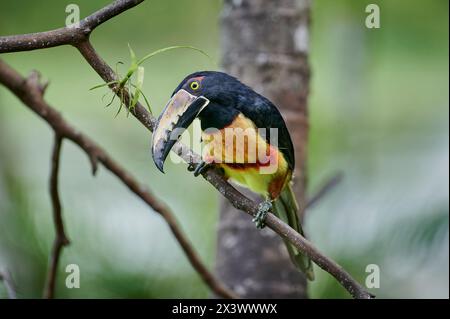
{"type": "Point", "coordinates": [265, 44]}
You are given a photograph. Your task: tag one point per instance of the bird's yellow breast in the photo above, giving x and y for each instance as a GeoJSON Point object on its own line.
{"type": "Point", "coordinates": [246, 157]}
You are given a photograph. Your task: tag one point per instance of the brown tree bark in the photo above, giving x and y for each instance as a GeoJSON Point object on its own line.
{"type": "Point", "coordinates": [265, 45]}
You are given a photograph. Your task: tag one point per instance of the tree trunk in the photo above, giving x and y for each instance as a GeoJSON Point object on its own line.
{"type": "Point", "coordinates": [265, 45]}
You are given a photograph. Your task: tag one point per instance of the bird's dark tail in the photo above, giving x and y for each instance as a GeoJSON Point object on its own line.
{"type": "Point", "coordinates": [285, 207]}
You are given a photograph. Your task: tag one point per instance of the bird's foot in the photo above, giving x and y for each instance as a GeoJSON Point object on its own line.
{"type": "Point", "coordinates": [199, 168]}
{"type": "Point", "coordinates": [260, 217]}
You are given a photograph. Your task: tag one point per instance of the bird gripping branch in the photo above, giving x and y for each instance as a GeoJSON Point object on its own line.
{"type": "Point", "coordinates": [244, 135]}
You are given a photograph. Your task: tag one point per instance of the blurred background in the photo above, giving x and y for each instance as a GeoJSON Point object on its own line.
{"type": "Point", "coordinates": [379, 112]}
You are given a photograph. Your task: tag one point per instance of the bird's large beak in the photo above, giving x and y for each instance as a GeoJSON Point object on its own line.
{"type": "Point", "coordinates": [179, 113]}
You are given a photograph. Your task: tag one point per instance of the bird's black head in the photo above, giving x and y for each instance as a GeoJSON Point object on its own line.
{"type": "Point", "coordinates": [212, 96]}
{"type": "Point", "coordinates": [218, 87]}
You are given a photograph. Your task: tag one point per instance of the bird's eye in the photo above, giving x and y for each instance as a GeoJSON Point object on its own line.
{"type": "Point", "coordinates": [194, 85]}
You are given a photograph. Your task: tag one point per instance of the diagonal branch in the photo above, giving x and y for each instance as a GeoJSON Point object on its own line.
{"type": "Point", "coordinates": [80, 39]}
{"type": "Point", "coordinates": [328, 186]}
{"type": "Point", "coordinates": [9, 285]}
{"type": "Point", "coordinates": [61, 239]}
{"type": "Point", "coordinates": [29, 91]}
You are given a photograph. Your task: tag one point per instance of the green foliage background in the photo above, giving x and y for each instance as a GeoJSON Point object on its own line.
{"type": "Point", "coordinates": [379, 113]}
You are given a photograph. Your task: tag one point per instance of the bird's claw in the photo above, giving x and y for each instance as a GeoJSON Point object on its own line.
{"type": "Point", "coordinates": [260, 217]}
{"type": "Point", "coordinates": [199, 168]}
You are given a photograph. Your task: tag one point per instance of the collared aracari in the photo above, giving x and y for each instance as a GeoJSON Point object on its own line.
{"type": "Point", "coordinates": [221, 102]}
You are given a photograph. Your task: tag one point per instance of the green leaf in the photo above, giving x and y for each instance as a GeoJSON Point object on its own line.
{"type": "Point", "coordinates": [121, 104]}
{"type": "Point", "coordinates": [145, 98]}
{"type": "Point", "coordinates": [148, 56]}
{"type": "Point", "coordinates": [135, 66]}
{"type": "Point", "coordinates": [102, 85]}
{"type": "Point", "coordinates": [112, 100]}
{"type": "Point", "coordinates": [147, 102]}
{"type": "Point", "coordinates": [139, 83]}
{"type": "Point", "coordinates": [132, 55]}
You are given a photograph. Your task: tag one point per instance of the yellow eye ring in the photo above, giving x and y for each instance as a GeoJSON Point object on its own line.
{"type": "Point", "coordinates": [195, 85]}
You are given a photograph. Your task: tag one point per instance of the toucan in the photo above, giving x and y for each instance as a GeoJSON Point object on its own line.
{"type": "Point", "coordinates": [244, 135]}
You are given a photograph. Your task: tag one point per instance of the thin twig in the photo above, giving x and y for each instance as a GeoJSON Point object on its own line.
{"type": "Point", "coordinates": [28, 91]}
{"type": "Point", "coordinates": [9, 285]}
{"type": "Point", "coordinates": [324, 190]}
{"type": "Point", "coordinates": [80, 39]}
{"type": "Point", "coordinates": [61, 239]}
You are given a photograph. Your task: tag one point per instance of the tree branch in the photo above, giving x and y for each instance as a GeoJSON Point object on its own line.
{"type": "Point", "coordinates": [324, 190]}
{"type": "Point", "coordinates": [80, 40]}
{"type": "Point", "coordinates": [29, 91]}
{"type": "Point", "coordinates": [7, 281]}
{"type": "Point", "coordinates": [66, 35]}
{"type": "Point", "coordinates": [61, 239]}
